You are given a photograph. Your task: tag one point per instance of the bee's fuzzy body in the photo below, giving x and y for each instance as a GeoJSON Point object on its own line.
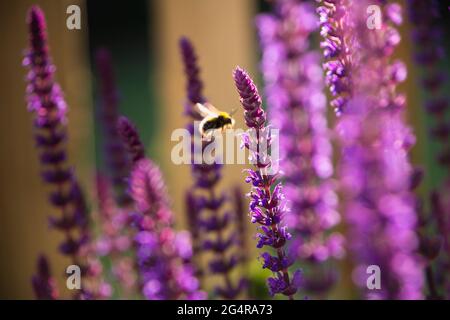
{"type": "Point", "coordinates": [213, 120]}
{"type": "Point", "coordinates": [216, 123]}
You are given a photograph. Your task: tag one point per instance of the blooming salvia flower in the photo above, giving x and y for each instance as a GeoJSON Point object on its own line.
{"type": "Point", "coordinates": [194, 88]}
{"type": "Point", "coordinates": [267, 204]}
{"type": "Point", "coordinates": [163, 255]}
{"type": "Point", "coordinates": [375, 172]}
{"type": "Point", "coordinates": [44, 284]}
{"type": "Point", "coordinates": [203, 197]}
{"type": "Point", "coordinates": [46, 102]}
{"type": "Point", "coordinates": [338, 46]}
{"type": "Point", "coordinates": [297, 106]}
{"type": "Point", "coordinates": [161, 252]}
{"type": "Point", "coordinates": [194, 85]}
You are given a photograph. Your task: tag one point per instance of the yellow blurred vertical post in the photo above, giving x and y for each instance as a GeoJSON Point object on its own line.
{"type": "Point", "coordinates": [224, 36]}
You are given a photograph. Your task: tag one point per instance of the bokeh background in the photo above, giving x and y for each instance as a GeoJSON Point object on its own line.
{"type": "Point", "coordinates": [143, 38]}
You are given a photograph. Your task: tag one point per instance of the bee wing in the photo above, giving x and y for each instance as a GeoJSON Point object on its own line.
{"type": "Point", "coordinates": [233, 111]}
{"type": "Point", "coordinates": [212, 108]}
{"type": "Point", "coordinates": [206, 110]}
{"type": "Point", "coordinates": [202, 123]}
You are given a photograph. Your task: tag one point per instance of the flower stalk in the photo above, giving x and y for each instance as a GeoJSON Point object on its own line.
{"type": "Point", "coordinates": [375, 172]}
{"type": "Point", "coordinates": [47, 104]}
{"type": "Point", "coordinates": [267, 205]}
{"type": "Point", "coordinates": [161, 252]}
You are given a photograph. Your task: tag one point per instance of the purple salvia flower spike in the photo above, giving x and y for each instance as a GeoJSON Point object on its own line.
{"type": "Point", "coordinates": [375, 173]}
{"type": "Point", "coordinates": [194, 85]}
{"type": "Point", "coordinates": [337, 46]}
{"type": "Point", "coordinates": [161, 254]}
{"type": "Point", "coordinates": [265, 205]}
{"type": "Point", "coordinates": [46, 102]}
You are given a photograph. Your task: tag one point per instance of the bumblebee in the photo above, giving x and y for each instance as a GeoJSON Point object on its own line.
{"type": "Point", "coordinates": [213, 120]}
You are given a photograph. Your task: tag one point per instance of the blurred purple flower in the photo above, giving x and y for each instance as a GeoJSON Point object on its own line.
{"type": "Point", "coordinates": [375, 172]}
{"type": "Point", "coordinates": [297, 106]}
{"type": "Point", "coordinates": [131, 139]}
{"type": "Point", "coordinates": [337, 49]}
{"type": "Point", "coordinates": [194, 85]}
{"type": "Point", "coordinates": [46, 102]}
{"type": "Point", "coordinates": [161, 255]}
{"type": "Point", "coordinates": [44, 285]}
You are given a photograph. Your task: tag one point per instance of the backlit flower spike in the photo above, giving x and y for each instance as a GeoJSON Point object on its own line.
{"type": "Point", "coordinates": [337, 46]}
{"type": "Point", "coordinates": [266, 196]}
{"type": "Point", "coordinates": [194, 85]}
{"type": "Point", "coordinates": [47, 104]}
{"type": "Point", "coordinates": [161, 254]}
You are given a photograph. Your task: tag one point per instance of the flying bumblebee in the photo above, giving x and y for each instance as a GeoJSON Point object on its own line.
{"type": "Point", "coordinates": [213, 120]}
